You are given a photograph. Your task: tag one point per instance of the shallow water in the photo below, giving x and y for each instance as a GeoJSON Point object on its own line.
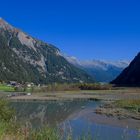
{"type": "Point", "coordinates": [72, 117]}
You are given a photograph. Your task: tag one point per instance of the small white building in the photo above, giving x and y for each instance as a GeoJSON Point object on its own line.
{"type": "Point", "coordinates": [28, 94]}
{"type": "Point", "coordinates": [29, 85]}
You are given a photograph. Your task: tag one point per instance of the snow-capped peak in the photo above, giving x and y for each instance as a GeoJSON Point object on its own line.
{"type": "Point", "coordinates": [103, 64]}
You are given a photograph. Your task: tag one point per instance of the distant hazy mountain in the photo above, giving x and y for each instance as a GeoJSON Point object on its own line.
{"type": "Point", "coordinates": [131, 75]}
{"type": "Point", "coordinates": [24, 58]}
{"type": "Point", "coordinates": [102, 71]}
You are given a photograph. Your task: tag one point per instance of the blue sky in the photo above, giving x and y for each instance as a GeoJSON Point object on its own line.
{"type": "Point", "coordinates": [87, 29]}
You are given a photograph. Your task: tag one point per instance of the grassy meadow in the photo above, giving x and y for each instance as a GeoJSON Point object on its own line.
{"type": "Point", "coordinates": [6, 88]}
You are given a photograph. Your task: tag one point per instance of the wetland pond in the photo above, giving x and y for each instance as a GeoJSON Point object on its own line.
{"type": "Point", "coordinates": [77, 117]}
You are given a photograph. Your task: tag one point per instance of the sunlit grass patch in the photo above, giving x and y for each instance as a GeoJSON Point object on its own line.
{"type": "Point", "coordinates": [4, 87]}
{"type": "Point", "coordinates": [129, 104]}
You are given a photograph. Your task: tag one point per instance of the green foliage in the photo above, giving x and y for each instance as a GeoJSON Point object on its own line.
{"type": "Point", "coordinates": [4, 87]}
{"type": "Point", "coordinates": [71, 87]}
{"type": "Point", "coordinates": [95, 86]}
{"type": "Point", "coordinates": [45, 133]}
{"type": "Point", "coordinates": [129, 104]}
{"type": "Point", "coordinates": [56, 87]}
{"type": "Point", "coordinates": [11, 132]}
{"type": "Point", "coordinates": [3, 129]}
{"type": "Point", "coordinates": [6, 113]}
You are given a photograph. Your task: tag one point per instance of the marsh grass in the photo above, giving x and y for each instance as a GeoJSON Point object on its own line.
{"type": "Point", "coordinates": [12, 132]}
{"type": "Point", "coordinates": [129, 104]}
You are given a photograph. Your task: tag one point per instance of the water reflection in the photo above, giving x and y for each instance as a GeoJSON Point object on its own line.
{"type": "Point", "coordinates": [76, 117]}
{"type": "Point", "coordinates": [50, 112]}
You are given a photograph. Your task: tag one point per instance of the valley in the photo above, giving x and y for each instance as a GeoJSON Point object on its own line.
{"type": "Point", "coordinates": [45, 94]}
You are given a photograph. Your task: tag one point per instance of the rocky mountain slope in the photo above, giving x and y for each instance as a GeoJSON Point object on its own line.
{"type": "Point", "coordinates": [131, 75]}
{"type": "Point", "coordinates": [102, 71]}
{"type": "Point", "coordinates": [24, 58]}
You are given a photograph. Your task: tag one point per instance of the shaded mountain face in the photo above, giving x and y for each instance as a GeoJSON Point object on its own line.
{"type": "Point", "coordinates": [24, 58]}
{"type": "Point", "coordinates": [131, 75]}
{"type": "Point", "coordinates": [102, 71]}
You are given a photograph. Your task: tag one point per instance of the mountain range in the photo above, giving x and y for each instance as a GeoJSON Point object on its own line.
{"type": "Point", "coordinates": [24, 58]}
{"type": "Point", "coordinates": [101, 70]}
{"type": "Point", "coordinates": [130, 76]}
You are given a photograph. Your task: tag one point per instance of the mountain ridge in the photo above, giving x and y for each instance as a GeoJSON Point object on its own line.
{"type": "Point", "coordinates": [101, 70]}
{"type": "Point", "coordinates": [34, 59]}
{"type": "Point", "coordinates": [130, 76]}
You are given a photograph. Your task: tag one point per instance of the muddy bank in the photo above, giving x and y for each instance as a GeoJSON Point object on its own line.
{"type": "Point", "coordinates": [92, 117]}
{"type": "Point", "coordinates": [112, 110]}
{"type": "Point", "coordinates": [106, 95]}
